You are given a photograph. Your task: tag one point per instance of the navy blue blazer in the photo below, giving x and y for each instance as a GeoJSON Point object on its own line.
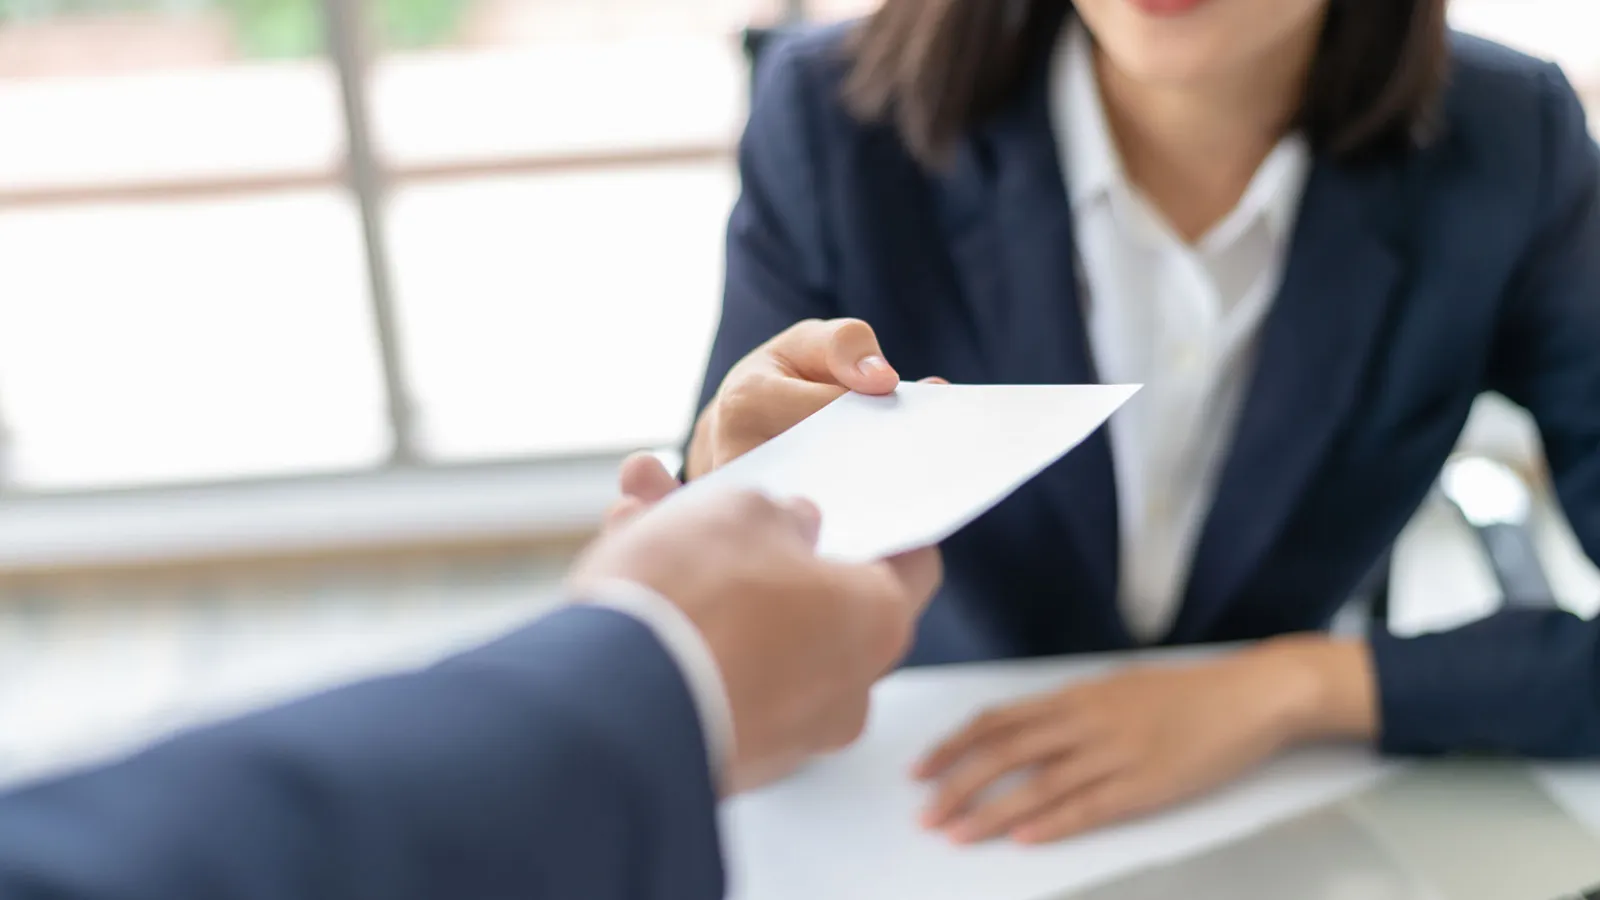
{"type": "Point", "coordinates": [1414, 284]}
{"type": "Point", "coordinates": [563, 762]}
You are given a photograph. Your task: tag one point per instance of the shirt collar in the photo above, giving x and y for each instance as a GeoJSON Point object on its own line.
{"type": "Point", "coordinates": [1278, 186]}
{"type": "Point", "coordinates": [1093, 163]}
{"type": "Point", "coordinates": [1089, 155]}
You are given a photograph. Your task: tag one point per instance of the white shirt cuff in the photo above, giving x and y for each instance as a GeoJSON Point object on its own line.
{"type": "Point", "coordinates": [686, 646]}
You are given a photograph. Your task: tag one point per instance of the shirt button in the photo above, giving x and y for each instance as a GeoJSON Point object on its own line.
{"type": "Point", "coordinates": [1159, 509]}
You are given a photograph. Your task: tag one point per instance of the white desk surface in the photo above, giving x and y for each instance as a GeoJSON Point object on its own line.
{"type": "Point", "coordinates": [845, 829]}
{"type": "Point", "coordinates": [84, 677]}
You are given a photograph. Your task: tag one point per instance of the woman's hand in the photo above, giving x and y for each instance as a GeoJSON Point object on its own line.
{"type": "Point", "coordinates": [782, 382]}
{"type": "Point", "coordinates": [1096, 753]}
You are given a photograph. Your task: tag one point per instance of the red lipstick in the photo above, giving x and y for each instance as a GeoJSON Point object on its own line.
{"type": "Point", "coordinates": [1166, 7]}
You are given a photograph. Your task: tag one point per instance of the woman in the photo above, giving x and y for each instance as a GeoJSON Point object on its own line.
{"type": "Point", "coordinates": [1315, 230]}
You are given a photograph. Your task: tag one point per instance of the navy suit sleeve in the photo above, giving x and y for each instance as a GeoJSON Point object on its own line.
{"type": "Point", "coordinates": [565, 761]}
{"type": "Point", "coordinates": [1528, 681]}
{"type": "Point", "coordinates": [777, 270]}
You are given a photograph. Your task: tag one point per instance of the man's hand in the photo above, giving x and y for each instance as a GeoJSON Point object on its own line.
{"type": "Point", "coordinates": [799, 642]}
{"type": "Point", "coordinates": [1097, 753]}
{"type": "Point", "coordinates": [643, 482]}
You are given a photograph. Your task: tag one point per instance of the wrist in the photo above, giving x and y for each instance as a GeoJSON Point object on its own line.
{"type": "Point", "coordinates": [1328, 689]}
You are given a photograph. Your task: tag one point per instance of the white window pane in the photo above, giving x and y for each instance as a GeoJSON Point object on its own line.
{"type": "Point", "coordinates": [186, 340]}
{"type": "Point", "coordinates": [542, 77]}
{"type": "Point", "coordinates": [831, 10]}
{"type": "Point", "coordinates": [556, 312]}
{"type": "Point", "coordinates": [1566, 31]}
{"type": "Point", "coordinates": [67, 133]}
{"type": "Point", "coordinates": [559, 99]}
{"type": "Point", "coordinates": [560, 313]}
{"type": "Point", "coordinates": [158, 339]}
{"type": "Point", "coordinates": [112, 92]}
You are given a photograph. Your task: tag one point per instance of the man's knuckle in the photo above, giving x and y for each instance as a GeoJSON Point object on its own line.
{"type": "Point", "coordinates": [750, 506]}
{"type": "Point", "coordinates": [726, 525]}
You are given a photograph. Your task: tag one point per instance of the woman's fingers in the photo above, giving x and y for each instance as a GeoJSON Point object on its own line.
{"type": "Point", "coordinates": [840, 352]}
{"type": "Point", "coordinates": [1103, 803]}
{"type": "Point", "coordinates": [1024, 747]}
{"type": "Point", "coordinates": [857, 362]}
{"type": "Point", "coordinates": [980, 730]}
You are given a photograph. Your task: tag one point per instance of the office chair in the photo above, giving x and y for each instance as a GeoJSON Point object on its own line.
{"type": "Point", "coordinates": [1496, 503]}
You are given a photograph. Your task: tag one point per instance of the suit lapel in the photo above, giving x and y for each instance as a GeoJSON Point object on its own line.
{"type": "Point", "coordinates": [1342, 274]}
{"type": "Point", "coordinates": [1009, 227]}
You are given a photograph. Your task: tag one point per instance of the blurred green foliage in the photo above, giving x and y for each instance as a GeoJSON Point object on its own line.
{"type": "Point", "coordinates": [271, 28]}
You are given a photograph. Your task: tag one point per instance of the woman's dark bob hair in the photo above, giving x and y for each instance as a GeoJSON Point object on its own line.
{"type": "Point", "coordinates": [937, 68]}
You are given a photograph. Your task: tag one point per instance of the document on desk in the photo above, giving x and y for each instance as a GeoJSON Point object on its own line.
{"type": "Point", "coordinates": [907, 470]}
{"type": "Point", "coordinates": [846, 827]}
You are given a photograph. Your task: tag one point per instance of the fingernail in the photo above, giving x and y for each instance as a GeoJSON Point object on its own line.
{"type": "Point", "coordinates": [874, 365]}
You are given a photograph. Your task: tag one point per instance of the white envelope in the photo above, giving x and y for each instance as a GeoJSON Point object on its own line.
{"type": "Point", "coordinates": [908, 470]}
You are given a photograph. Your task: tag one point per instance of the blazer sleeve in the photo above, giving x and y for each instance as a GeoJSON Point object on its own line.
{"type": "Point", "coordinates": [563, 761]}
{"type": "Point", "coordinates": [777, 270]}
{"type": "Point", "coordinates": [1528, 681]}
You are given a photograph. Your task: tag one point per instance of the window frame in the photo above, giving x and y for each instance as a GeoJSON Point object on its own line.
{"type": "Point", "coordinates": [370, 181]}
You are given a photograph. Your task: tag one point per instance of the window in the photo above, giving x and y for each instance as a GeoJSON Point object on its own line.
{"type": "Point", "coordinates": [180, 288]}
{"type": "Point", "coordinates": [1561, 30]}
{"type": "Point", "coordinates": [532, 140]}
{"type": "Point", "coordinates": [245, 238]}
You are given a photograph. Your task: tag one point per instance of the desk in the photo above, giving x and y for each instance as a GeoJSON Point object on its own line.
{"type": "Point", "coordinates": [82, 677]}
{"type": "Point", "coordinates": [845, 828]}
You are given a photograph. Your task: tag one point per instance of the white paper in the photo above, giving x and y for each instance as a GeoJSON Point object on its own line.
{"type": "Point", "coordinates": [846, 828]}
{"type": "Point", "coordinates": [1576, 787]}
{"type": "Point", "coordinates": [908, 470]}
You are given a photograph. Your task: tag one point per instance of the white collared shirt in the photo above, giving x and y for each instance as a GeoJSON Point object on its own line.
{"type": "Point", "coordinates": [688, 649]}
{"type": "Point", "coordinates": [1181, 319]}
